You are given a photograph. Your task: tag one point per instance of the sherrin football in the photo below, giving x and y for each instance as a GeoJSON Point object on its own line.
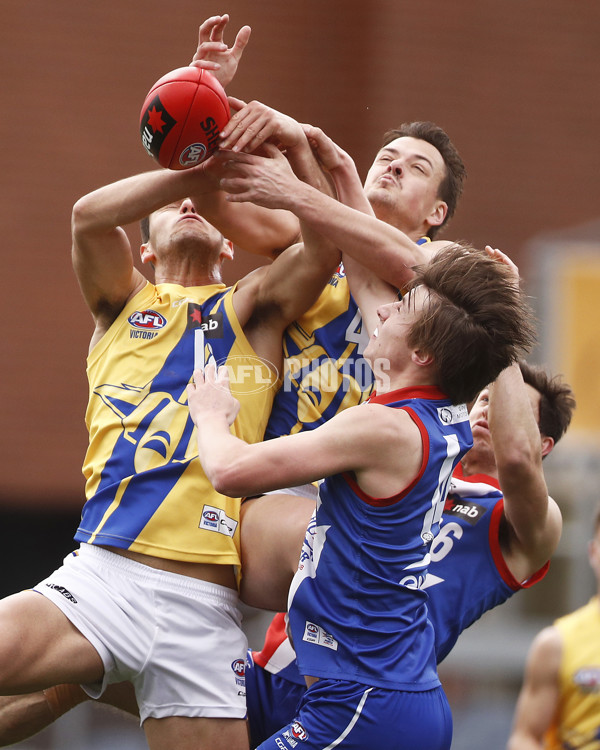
{"type": "Point", "coordinates": [182, 116]}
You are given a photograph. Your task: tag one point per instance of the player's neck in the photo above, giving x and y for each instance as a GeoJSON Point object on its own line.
{"type": "Point", "coordinates": [188, 274]}
{"type": "Point", "coordinates": [389, 217]}
{"type": "Point", "coordinates": [410, 378]}
{"type": "Point", "coordinates": [477, 464]}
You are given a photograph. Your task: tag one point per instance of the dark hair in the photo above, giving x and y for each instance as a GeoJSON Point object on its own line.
{"type": "Point", "coordinates": [557, 401]}
{"type": "Point", "coordinates": [451, 186]}
{"type": "Point", "coordinates": [476, 321]}
{"type": "Point", "coordinates": [145, 229]}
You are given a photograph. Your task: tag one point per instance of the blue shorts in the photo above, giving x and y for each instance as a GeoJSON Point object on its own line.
{"type": "Point", "coordinates": [271, 700]}
{"type": "Point", "coordinates": [353, 716]}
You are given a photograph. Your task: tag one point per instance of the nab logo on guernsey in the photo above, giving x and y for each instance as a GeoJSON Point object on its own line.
{"type": "Point", "coordinates": [466, 509]}
{"type": "Point", "coordinates": [145, 324]}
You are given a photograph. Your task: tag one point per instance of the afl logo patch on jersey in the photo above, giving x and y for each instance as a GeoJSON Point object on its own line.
{"type": "Point", "coordinates": [587, 679]}
{"type": "Point", "coordinates": [239, 667]}
{"type": "Point", "coordinates": [299, 731]}
{"type": "Point", "coordinates": [239, 670]}
{"type": "Point", "coordinates": [296, 733]}
{"type": "Point", "coordinates": [315, 634]}
{"type": "Point", "coordinates": [147, 320]}
{"type": "Point", "coordinates": [215, 519]}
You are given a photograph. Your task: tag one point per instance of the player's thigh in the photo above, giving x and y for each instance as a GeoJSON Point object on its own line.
{"type": "Point", "coordinates": [41, 647]}
{"type": "Point", "coordinates": [272, 529]}
{"type": "Point", "coordinates": [186, 733]}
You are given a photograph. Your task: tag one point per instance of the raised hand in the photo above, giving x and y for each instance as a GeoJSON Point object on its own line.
{"type": "Point", "coordinates": [254, 124]}
{"type": "Point", "coordinates": [214, 55]}
{"type": "Point", "coordinates": [328, 153]}
{"type": "Point", "coordinates": [264, 180]}
{"type": "Point", "coordinates": [503, 258]}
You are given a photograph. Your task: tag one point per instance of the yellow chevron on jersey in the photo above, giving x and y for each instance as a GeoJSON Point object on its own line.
{"type": "Point", "coordinates": [577, 720]}
{"type": "Point", "coordinates": [145, 488]}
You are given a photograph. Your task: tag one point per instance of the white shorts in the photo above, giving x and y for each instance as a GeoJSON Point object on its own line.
{"type": "Point", "coordinates": [177, 639]}
{"type": "Point", "coordinates": [311, 491]}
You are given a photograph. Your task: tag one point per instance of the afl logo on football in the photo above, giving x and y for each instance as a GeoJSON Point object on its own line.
{"type": "Point", "coordinates": [239, 667]}
{"type": "Point", "coordinates": [192, 155]}
{"type": "Point", "coordinates": [148, 320]}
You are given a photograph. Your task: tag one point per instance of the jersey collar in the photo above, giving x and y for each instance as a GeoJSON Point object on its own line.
{"type": "Point", "coordinates": [428, 392]}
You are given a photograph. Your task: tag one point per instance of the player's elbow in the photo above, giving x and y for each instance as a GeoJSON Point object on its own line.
{"type": "Point", "coordinates": [84, 216]}
{"type": "Point", "coordinates": [225, 479]}
{"type": "Point", "coordinates": [518, 457]}
{"type": "Point", "coordinates": [80, 214]}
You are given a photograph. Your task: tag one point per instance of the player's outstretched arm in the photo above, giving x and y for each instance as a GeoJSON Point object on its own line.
{"type": "Point", "coordinates": [381, 247]}
{"type": "Point", "coordinates": [540, 693]}
{"type": "Point", "coordinates": [533, 519]}
{"type": "Point", "coordinates": [272, 297]}
{"type": "Point", "coordinates": [250, 227]}
{"type": "Point", "coordinates": [101, 251]}
{"type": "Point", "coordinates": [367, 440]}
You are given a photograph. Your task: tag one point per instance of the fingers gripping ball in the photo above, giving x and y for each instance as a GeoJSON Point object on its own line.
{"type": "Point", "coordinates": [182, 116]}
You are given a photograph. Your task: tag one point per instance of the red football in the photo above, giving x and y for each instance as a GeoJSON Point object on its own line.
{"type": "Point", "coordinates": [182, 116]}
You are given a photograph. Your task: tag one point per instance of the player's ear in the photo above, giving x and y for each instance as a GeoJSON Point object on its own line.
{"type": "Point", "coordinates": [422, 358]}
{"type": "Point", "coordinates": [227, 250]}
{"type": "Point", "coordinates": [147, 253]}
{"type": "Point", "coordinates": [438, 214]}
{"type": "Point", "coordinates": [547, 445]}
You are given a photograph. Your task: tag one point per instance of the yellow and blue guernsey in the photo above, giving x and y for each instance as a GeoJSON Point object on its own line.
{"type": "Point", "coordinates": [324, 371]}
{"type": "Point", "coordinates": [145, 488]}
{"type": "Point", "coordinates": [577, 720]}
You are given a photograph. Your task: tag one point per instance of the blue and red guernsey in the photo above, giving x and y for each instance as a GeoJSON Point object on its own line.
{"type": "Point", "coordinates": [468, 574]}
{"type": "Point", "coordinates": [357, 604]}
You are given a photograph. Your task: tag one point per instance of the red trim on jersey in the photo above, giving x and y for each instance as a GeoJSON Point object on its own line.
{"type": "Point", "coordinates": [274, 637]}
{"type": "Point", "coordinates": [475, 478]}
{"type": "Point", "coordinates": [429, 392]}
{"type": "Point", "coordinates": [382, 502]}
{"type": "Point", "coordinates": [494, 538]}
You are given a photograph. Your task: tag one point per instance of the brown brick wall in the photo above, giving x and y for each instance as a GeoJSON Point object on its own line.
{"type": "Point", "coordinates": [515, 84]}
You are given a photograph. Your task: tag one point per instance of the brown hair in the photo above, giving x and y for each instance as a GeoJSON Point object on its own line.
{"type": "Point", "coordinates": [476, 321]}
{"type": "Point", "coordinates": [557, 401]}
{"type": "Point", "coordinates": [451, 187]}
